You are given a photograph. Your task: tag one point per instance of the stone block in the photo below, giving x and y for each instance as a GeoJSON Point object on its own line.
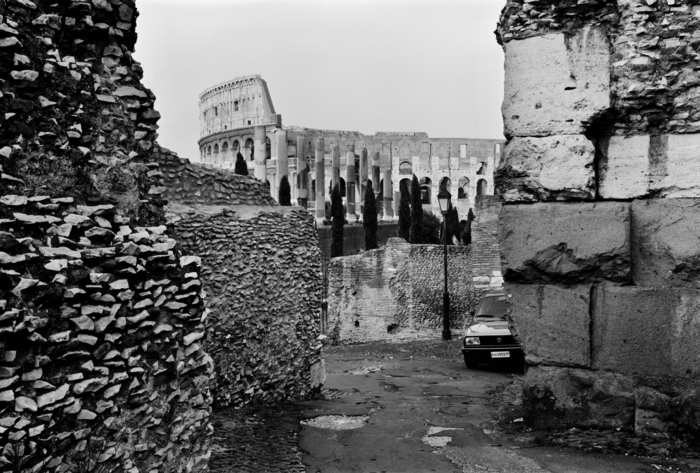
{"type": "Point", "coordinates": [555, 397]}
{"type": "Point", "coordinates": [665, 246]}
{"type": "Point", "coordinates": [643, 165]}
{"type": "Point", "coordinates": [630, 323]}
{"type": "Point", "coordinates": [567, 243]}
{"type": "Point", "coordinates": [552, 323]}
{"type": "Point", "coordinates": [549, 168]}
{"type": "Point", "coordinates": [556, 84]}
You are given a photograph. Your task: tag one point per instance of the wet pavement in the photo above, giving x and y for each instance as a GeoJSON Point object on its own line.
{"type": "Point", "coordinates": [410, 407]}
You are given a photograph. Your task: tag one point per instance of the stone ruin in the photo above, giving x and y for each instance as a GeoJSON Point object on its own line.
{"type": "Point", "coordinates": [601, 181]}
{"type": "Point", "coordinates": [104, 315]}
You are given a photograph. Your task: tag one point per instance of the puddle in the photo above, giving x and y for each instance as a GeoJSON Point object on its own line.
{"type": "Point", "coordinates": [439, 441]}
{"type": "Point", "coordinates": [337, 422]}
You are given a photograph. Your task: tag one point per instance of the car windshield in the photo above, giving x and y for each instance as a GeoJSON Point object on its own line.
{"type": "Point", "coordinates": [493, 306]}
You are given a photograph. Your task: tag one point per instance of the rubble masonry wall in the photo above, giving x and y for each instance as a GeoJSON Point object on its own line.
{"type": "Point", "coordinates": [396, 292]}
{"type": "Point", "coordinates": [601, 182]}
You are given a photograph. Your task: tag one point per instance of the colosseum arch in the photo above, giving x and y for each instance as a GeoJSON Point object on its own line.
{"type": "Point", "coordinates": [482, 168]}
{"type": "Point", "coordinates": [406, 183]}
{"type": "Point", "coordinates": [463, 191]}
{"type": "Point", "coordinates": [481, 187]}
{"type": "Point", "coordinates": [405, 168]}
{"type": "Point", "coordinates": [249, 149]}
{"type": "Point", "coordinates": [235, 147]}
{"type": "Point", "coordinates": [268, 148]}
{"type": "Point", "coordinates": [425, 184]}
{"type": "Point", "coordinates": [342, 187]}
{"type": "Point", "coordinates": [445, 183]}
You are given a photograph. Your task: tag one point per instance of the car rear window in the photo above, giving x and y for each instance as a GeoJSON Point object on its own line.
{"type": "Point", "coordinates": [493, 306]}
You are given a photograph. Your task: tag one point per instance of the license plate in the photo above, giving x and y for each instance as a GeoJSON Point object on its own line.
{"type": "Point", "coordinates": [500, 354]}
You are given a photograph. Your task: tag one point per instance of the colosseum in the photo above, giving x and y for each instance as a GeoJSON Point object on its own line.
{"type": "Point", "coordinates": [238, 116]}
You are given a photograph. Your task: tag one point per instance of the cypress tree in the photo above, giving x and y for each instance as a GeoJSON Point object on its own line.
{"type": "Point", "coordinates": [285, 192]}
{"type": "Point", "coordinates": [416, 234]}
{"type": "Point", "coordinates": [404, 213]}
{"type": "Point", "coordinates": [241, 167]}
{"type": "Point", "coordinates": [369, 219]}
{"type": "Point", "coordinates": [452, 228]}
{"type": "Point", "coordinates": [337, 223]}
{"type": "Point", "coordinates": [467, 229]}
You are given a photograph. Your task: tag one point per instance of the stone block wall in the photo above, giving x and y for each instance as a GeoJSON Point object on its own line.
{"type": "Point", "coordinates": [261, 269]}
{"type": "Point", "coordinates": [601, 185]}
{"type": "Point", "coordinates": [101, 362]}
{"type": "Point", "coordinates": [396, 292]}
{"type": "Point", "coordinates": [486, 256]}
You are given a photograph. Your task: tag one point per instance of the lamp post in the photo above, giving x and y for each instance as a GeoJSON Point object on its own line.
{"type": "Point", "coordinates": [444, 198]}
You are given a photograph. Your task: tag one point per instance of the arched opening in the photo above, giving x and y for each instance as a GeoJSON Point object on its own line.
{"type": "Point", "coordinates": [216, 148]}
{"type": "Point", "coordinates": [235, 146]}
{"type": "Point", "coordinates": [224, 147]}
{"type": "Point", "coordinates": [313, 189]}
{"type": "Point", "coordinates": [445, 184]}
{"type": "Point", "coordinates": [405, 183]}
{"type": "Point", "coordinates": [268, 148]}
{"type": "Point", "coordinates": [481, 187]}
{"type": "Point", "coordinates": [249, 150]}
{"type": "Point", "coordinates": [482, 168]}
{"type": "Point", "coordinates": [208, 150]}
{"type": "Point", "coordinates": [463, 191]}
{"type": "Point", "coordinates": [405, 168]}
{"type": "Point", "coordinates": [425, 196]}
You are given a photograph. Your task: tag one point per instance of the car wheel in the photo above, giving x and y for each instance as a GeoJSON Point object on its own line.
{"type": "Point", "coordinates": [469, 362]}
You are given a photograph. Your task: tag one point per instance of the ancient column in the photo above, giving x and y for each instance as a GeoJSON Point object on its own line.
{"type": "Point", "coordinates": [259, 147]}
{"type": "Point", "coordinates": [363, 178]}
{"type": "Point", "coordinates": [335, 166]}
{"type": "Point", "coordinates": [388, 196]}
{"type": "Point", "coordinates": [350, 183]}
{"type": "Point", "coordinates": [320, 181]}
{"type": "Point", "coordinates": [303, 172]}
{"type": "Point", "coordinates": [376, 178]}
{"type": "Point", "coordinates": [282, 159]}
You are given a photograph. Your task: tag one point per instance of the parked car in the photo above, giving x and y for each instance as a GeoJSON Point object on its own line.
{"type": "Point", "coordinates": [488, 337]}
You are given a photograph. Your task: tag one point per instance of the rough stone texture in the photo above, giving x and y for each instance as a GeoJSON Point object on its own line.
{"type": "Point", "coordinates": [192, 183]}
{"type": "Point", "coordinates": [262, 273]}
{"type": "Point", "coordinates": [665, 245]}
{"type": "Point", "coordinates": [395, 292]}
{"type": "Point", "coordinates": [95, 349]}
{"type": "Point", "coordinates": [552, 323]}
{"type": "Point", "coordinates": [556, 84]}
{"type": "Point", "coordinates": [74, 119]}
{"type": "Point", "coordinates": [486, 254]}
{"type": "Point", "coordinates": [629, 323]}
{"type": "Point", "coordinates": [566, 397]}
{"type": "Point", "coordinates": [565, 242]}
{"type": "Point", "coordinates": [549, 168]}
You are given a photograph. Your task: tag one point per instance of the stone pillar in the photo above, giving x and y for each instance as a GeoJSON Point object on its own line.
{"type": "Point", "coordinates": [303, 172]}
{"type": "Point", "coordinates": [320, 181]}
{"type": "Point", "coordinates": [601, 204]}
{"type": "Point", "coordinates": [376, 179]}
{"type": "Point", "coordinates": [363, 177]}
{"type": "Point", "coordinates": [259, 149]}
{"type": "Point", "coordinates": [282, 159]}
{"type": "Point", "coordinates": [388, 196]}
{"type": "Point", "coordinates": [350, 183]}
{"type": "Point", "coordinates": [335, 166]}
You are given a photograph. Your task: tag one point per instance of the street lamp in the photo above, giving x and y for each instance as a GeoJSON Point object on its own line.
{"type": "Point", "coordinates": [444, 198]}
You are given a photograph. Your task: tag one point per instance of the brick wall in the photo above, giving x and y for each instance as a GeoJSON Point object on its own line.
{"type": "Point", "coordinates": [396, 292]}
{"type": "Point", "coordinates": [486, 256]}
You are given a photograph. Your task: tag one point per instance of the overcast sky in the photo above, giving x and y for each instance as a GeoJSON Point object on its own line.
{"type": "Point", "coordinates": [368, 66]}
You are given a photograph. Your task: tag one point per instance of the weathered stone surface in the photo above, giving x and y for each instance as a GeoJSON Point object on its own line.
{"type": "Point", "coordinates": [630, 323]}
{"type": "Point", "coordinates": [566, 243]}
{"type": "Point", "coordinates": [562, 397]}
{"type": "Point", "coordinates": [644, 165]}
{"type": "Point", "coordinates": [556, 84]}
{"type": "Point", "coordinates": [552, 323]}
{"type": "Point", "coordinates": [550, 168]}
{"type": "Point", "coordinates": [665, 245]}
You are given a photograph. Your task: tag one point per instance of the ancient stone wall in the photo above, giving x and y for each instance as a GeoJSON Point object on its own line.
{"type": "Point", "coordinates": [486, 256]}
{"type": "Point", "coordinates": [396, 292]}
{"type": "Point", "coordinates": [100, 333]}
{"type": "Point", "coordinates": [100, 340]}
{"type": "Point", "coordinates": [601, 264]}
{"type": "Point", "coordinates": [262, 274]}
{"type": "Point", "coordinates": [354, 237]}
